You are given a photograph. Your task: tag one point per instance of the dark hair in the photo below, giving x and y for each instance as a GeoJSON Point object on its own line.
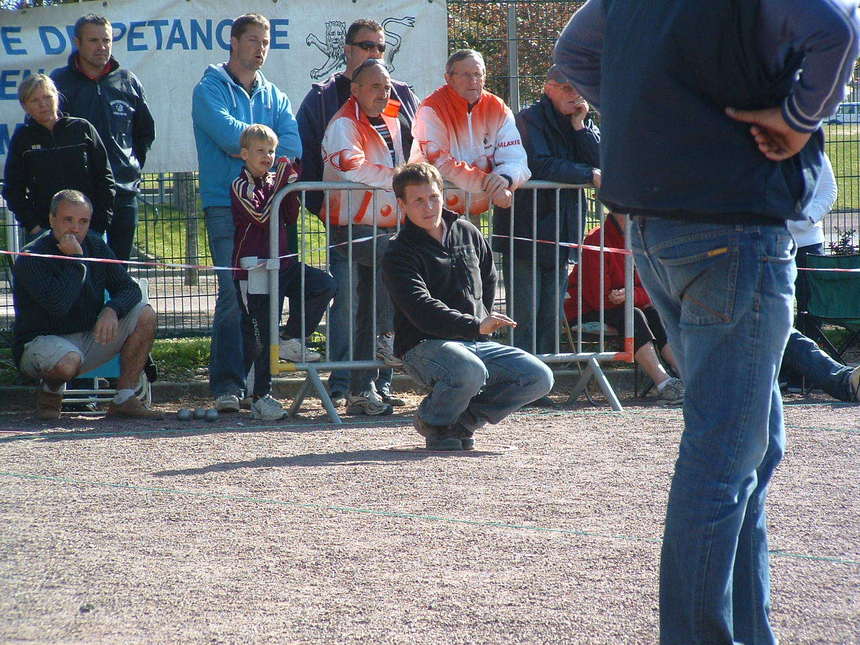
{"type": "Point", "coordinates": [70, 196]}
{"type": "Point", "coordinates": [241, 24]}
{"type": "Point", "coordinates": [358, 25]}
{"type": "Point", "coordinates": [366, 65]}
{"type": "Point", "coordinates": [90, 19]}
{"type": "Point", "coordinates": [416, 174]}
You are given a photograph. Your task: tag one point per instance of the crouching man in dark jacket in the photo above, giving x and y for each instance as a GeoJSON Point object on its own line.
{"type": "Point", "coordinates": [440, 275]}
{"type": "Point", "coordinates": [63, 326]}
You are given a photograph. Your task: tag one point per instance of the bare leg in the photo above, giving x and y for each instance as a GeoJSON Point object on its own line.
{"type": "Point", "coordinates": [132, 357]}
{"type": "Point", "coordinates": [669, 355]}
{"type": "Point", "coordinates": [646, 356]}
{"type": "Point", "coordinates": [67, 368]}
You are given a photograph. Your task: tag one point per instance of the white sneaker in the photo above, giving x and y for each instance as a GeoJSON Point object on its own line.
{"type": "Point", "coordinates": [367, 403]}
{"type": "Point", "coordinates": [291, 350]}
{"type": "Point", "coordinates": [267, 409]}
{"type": "Point", "coordinates": [385, 350]}
{"type": "Point", "coordinates": [227, 403]}
{"type": "Point", "coordinates": [672, 392]}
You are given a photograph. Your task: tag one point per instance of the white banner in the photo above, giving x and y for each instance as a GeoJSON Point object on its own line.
{"type": "Point", "coordinates": [168, 44]}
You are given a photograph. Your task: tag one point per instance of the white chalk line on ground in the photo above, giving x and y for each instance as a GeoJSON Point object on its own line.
{"type": "Point", "coordinates": [395, 514]}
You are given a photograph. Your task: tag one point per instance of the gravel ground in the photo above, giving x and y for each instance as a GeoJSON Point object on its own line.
{"type": "Point", "coordinates": [245, 532]}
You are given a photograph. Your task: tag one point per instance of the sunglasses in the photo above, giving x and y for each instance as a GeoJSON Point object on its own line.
{"type": "Point", "coordinates": [367, 45]}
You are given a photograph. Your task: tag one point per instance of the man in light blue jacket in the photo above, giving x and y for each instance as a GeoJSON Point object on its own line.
{"type": "Point", "coordinates": [230, 97]}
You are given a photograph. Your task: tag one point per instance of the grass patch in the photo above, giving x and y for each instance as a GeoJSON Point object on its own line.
{"type": "Point", "coordinates": [843, 148]}
{"type": "Point", "coordinates": [181, 359]}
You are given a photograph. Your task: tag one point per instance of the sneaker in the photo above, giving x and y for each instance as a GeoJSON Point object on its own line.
{"type": "Point", "coordinates": [48, 404]}
{"type": "Point", "coordinates": [466, 437]}
{"type": "Point", "coordinates": [386, 397]}
{"type": "Point", "coordinates": [385, 350]}
{"type": "Point", "coordinates": [227, 403]}
{"type": "Point", "coordinates": [337, 397]}
{"type": "Point", "coordinates": [437, 437]}
{"type": "Point", "coordinates": [291, 350]}
{"type": "Point", "coordinates": [132, 408]}
{"type": "Point", "coordinates": [673, 392]}
{"type": "Point", "coordinates": [854, 384]}
{"type": "Point", "coordinates": [267, 409]}
{"type": "Point", "coordinates": [367, 403]}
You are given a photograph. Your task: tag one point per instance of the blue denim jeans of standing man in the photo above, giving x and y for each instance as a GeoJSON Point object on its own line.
{"type": "Point", "coordinates": [226, 371]}
{"type": "Point", "coordinates": [368, 276]}
{"type": "Point", "coordinates": [473, 383]}
{"type": "Point", "coordinates": [341, 311]}
{"type": "Point", "coordinates": [120, 233]}
{"type": "Point", "coordinates": [541, 281]}
{"type": "Point", "coordinates": [724, 293]}
{"type": "Point", "coordinates": [804, 358]}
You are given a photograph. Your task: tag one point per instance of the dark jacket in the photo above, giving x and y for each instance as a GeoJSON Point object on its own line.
{"type": "Point", "coordinates": [54, 296]}
{"type": "Point", "coordinates": [556, 152]}
{"type": "Point", "coordinates": [439, 291]}
{"type": "Point", "coordinates": [115, 104]}
{"type": "Point", "coordinates": [318, 107]}
{"type": "Point", "coordinates": [668, 148]}
{"type": "Point", "coordinates": [252, 199]}
{"type": "Point", "coordinates": [41, 162]}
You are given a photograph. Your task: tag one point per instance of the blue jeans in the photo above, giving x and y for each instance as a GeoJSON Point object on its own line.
{"type": "Point", "coordinates": [120, 233]}
{"type": "Point", "coordinates": [475, 382]}
{"type": "Point", "coordinates": [341, 311]}
{"type": "Point", "coordinates": [226, 364]}
{"type": "Point", "coordinates": [366, 280]}
{"type": "Point", "coordinates": [724, 293]}
{"type": "Point", "coordinates": [541, 282]}
{"type": "Point", "coordinates": [804, 358]}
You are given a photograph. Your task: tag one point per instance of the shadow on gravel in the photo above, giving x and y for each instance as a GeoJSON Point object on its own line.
{"type": "Point", "coordinates": [347, 458]}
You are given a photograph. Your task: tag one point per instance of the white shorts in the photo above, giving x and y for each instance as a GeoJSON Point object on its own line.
{"type": "Point", "coordinates": [43, 353]}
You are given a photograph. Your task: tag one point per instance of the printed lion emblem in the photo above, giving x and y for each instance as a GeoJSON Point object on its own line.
{"type": "Point", "coordinates": [335, 38]}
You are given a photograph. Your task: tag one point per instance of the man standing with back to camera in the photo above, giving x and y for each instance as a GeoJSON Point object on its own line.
{"type": "Point", "coordinates": [710, 123]}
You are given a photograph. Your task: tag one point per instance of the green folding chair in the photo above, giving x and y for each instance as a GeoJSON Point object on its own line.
{"type": "Point", "coordinates": [834, 300]}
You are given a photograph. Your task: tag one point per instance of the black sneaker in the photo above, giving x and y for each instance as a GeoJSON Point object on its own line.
{"type": "Point", "coordinates": [437, 437]}
{"type": "Point", "coordinates": [466, 437]}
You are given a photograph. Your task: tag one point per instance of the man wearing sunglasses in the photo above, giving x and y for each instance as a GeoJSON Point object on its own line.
{"type": "Point", "coordinates": [364, 39]}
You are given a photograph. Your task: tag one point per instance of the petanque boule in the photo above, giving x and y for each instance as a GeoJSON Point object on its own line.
{"type": "Point", "coordinates": [211, 415]}
{"type": "Point", "coordinates": [199, 413]}
{"type": "Point", "coordinates": [184, 414]}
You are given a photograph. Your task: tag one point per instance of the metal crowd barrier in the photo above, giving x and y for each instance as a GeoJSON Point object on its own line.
{"type": "Point", "coordinates": [315, 246]}
{"type": "Point", "coordinates": [592, 352]}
